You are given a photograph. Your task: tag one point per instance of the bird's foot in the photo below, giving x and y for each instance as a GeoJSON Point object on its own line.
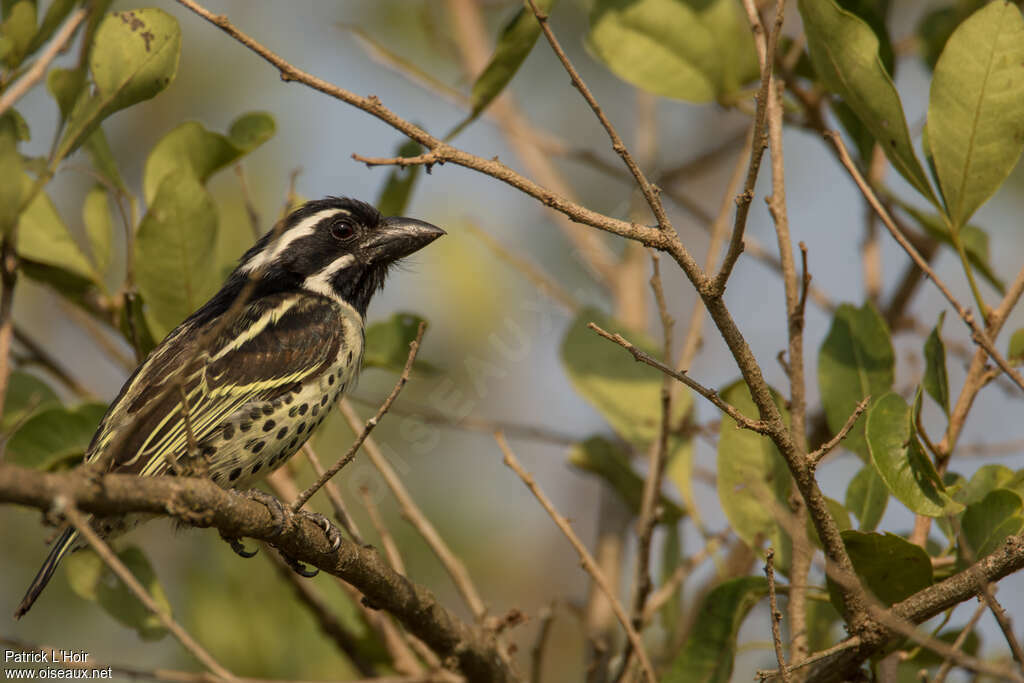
{"type": "Point", "coordinates": [330, 531]}
{"type": "Point", "coordinates": [278, 517]}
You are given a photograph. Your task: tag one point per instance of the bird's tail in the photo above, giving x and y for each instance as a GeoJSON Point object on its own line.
{"type": "Point", "coordinates": [61, 548]}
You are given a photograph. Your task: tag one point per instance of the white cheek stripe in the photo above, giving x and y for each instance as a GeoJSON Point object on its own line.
{"type": "Point", "coordinates": [302, 229]}
{"type": "Point", "coordinates": [321, 282]}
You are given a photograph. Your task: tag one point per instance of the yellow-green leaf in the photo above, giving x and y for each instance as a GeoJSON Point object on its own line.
{"type": "Point", "coordinates": [845, 53]}
{"type": "Point", "coordinates": [974, 111]}
{"type": "Point", "coordinates": [694, 50]}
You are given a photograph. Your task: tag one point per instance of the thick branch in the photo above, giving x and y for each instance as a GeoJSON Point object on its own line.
{"type": "Point", "coordinates": [202, 503]}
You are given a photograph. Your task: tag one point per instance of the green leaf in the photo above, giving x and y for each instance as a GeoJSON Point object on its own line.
{"type": "Point", "coordinates": [626, 393]}
{"type": "Point", "coordinates": [134, 57]}
{"type": "Point", "coordinates": [54, 17]}
{"type": "Point", "coordinates": [889, 566]}
{"type": "Point", "coordinates": [19, 27]}
{"type": "Point", "coordinates": [710, 650]}
{"type": "Point", "coordinates": [10, 167]}
{"type": "Point", "coordinates": [753, 480]}
{"type": "Point", "coordinates": [989, 522]}
{"type": "Point", "coordinates": [387, 343]}
{"type": "Point", "coordinates": [974, 120]}
{"type": "Point", "coordinates": [514, 44]}
{"type": "Point", "coordinates": [610, 462]}
{"type": "Point", "coordinates": [66, 87]}
{"type": "Point", "coordinates": [938, 25]}
{"type": "Point", "coordinates": [43, 238]}
{"type": "Point", "coordinates": [936, 381]}
{"type": "Point", "coordinates": [974, 239]}
{"type": "Point", "coordinates": [867, 497]}
{"type": "Point", "coordinates": [98, 226]}
{"type": "Point", "coordinates": [103, 160]}
{"type": "Point", "coordinates": [694, 50]}
{"type": "Point", "coordinates": [845, 53]}
{"type": "Point", "coordinates": [987, 479]}
{"type": "Point", "coordinates": [905, 468]}
{"type": "Point", "coordinates": [174, 252]}
{"type": "Point", "coordinates": [190, 146]}
{"type": "Point", "coordinates": [54, 435]}
{"type": "Point", "coordinates": [1015, 350]}
{"type": "Point", "coordinates": [26, 395]}
{"type": "Point", "coordinates": [873, 13]}
{"type": "Point", "coordinates": [93, 580]}
{"type": "Point", "coordinates": [397, 190]}
{"type": "Point", "coordinates": [856, 360]}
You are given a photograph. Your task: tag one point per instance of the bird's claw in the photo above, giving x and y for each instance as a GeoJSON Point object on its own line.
{"type": "Point", "coordinates": [330, 531]}
{"type": "Point", "coordinates": [236, 545]}
{"type": "Point", "coordinates": [278, 513]}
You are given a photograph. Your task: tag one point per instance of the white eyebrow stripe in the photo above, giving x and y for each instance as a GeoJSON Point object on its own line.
{"type": "Point", "coordinates": [302, 229]}
{"type": "Point", "coordinates": [321, 282]}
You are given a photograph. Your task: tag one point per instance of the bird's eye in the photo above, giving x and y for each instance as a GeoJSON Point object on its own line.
{"type": "Point", "coordinates": [342, 230]}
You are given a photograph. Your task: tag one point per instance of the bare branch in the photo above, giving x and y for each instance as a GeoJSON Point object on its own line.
{"type": "Point", "coordinates": [111, 560]}
{"type": "Point", "coordinates": [414, 347]}
{"type": "Point", "coordinates": [816, 456]}
{"type": "Point", "coordinates": [585, 557]}
{"type": "Point", "coordinates": [37, 71]}
{"type": "Point", "coordinates": [710, 394]}
{"type": "Point", "coordinates": [775, 615]}
{"type": "Point", "coordinates": [202, 503]}
{"type": "Point", "coordinates": [412, 513]}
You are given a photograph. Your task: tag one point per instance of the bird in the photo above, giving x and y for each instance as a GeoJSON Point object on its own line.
{"type": "Point", "coordinates": [237, 388]}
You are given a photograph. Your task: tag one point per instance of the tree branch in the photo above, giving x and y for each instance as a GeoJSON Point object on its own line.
{"type": "Point", "coordinates": [204, 504]}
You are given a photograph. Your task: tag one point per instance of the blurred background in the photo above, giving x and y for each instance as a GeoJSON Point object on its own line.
{"type": "Point", "coordinates": [494, 335]}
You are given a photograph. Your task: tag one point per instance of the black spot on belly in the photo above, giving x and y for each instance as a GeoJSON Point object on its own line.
{"type": "Point", "coordinates": [245, 426]}
{"type": "Point", "coordinates": [254, 414]}
{"type": "Point", "coordinates": [292, 443]}
{"type": "Point", "coordinates": [293, 411]}
{"type": "Point", "coordinates": [256, 467]}
{"type": "Point", "coordinates": [208, 451]}
{"type": "Point", "coordinates": [330, 379]}
{"type": "Point", "coordinates": [281, 433]}
{"type": "Point", "coordinates": [268, 409]}
{"type": "Point", "coordinates": [296, 388]}
{"type": "Point", "coordinates": [349, 359]}
{"type": "Point", "coordinates": [229, 431]}
{"type": "Point", "coordinates": [302, 428]}
{"type": "Point", "coordinates": [268, 425]}
{"type": "Point", "coordinates": [303, 408]}
{"type": "Point", "coordinates": [235, 474]}
{"type": "Point", "coordinates": [324, 400]}
{"type": "Point", "coordinates": [257, 447]}
{"type": "Point", "coordinates": [288, 399]}
{"type": "Point", "coordinates": [316, 409]}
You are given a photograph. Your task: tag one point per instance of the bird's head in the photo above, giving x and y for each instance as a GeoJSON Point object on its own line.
{"type": "Point", "coordinates": [338, 247]}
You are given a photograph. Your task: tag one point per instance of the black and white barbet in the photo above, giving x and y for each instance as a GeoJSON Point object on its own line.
{"type": "Point", "coordinates": [259, 365]}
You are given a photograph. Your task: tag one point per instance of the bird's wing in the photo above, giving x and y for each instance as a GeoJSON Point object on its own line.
{"type": "Point", "coordinates": [274, 344]}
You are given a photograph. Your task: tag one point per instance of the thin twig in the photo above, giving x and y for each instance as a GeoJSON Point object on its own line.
{"type": "Point", "coordinates": [541, 280]}
{"type": "Point", "coordinates": [386, 539]}
{"type": "Point", "coordinates": [412, 514]}
{"type": "Point", "coordinates": [1004, 622]}
{"type": "Point", "coordinates": [45, 359]}
{"type": "Point", "coordinates": [545, 618]}
{"type": "Point", "coordinates": [585, 557]}
{"type": "Point", "coordinates": [362, 434]}
{"type": "Point", "coordinates": [958, 644]}
{"type": "Point", "coordinates": [815, 456]}
{"type": "Point", "coordinates": [37, 71]}
{"type": "Point", "coordinates": [341, 512]}
{"type": "Point", "coordinates": [111, 560]}
{"type": "Point", "coordinates": [8, 280]}
{"type": "Point", "coordinates": [673, 583]}
{"type": "Point", "coordinates": [979, 335]}
{"type": "Point", "coordinates": [649, 191]}
{"type": "Point", "coordinates": [710, 394]}
{"type": "Point", "coordinates": [440, 151]}
{"type": "Point", "coordinates": [766, 58]}
{"type": "Point", "coordinates": [250, 206]}
{"type": "Point", "coordinates": [775, 615]}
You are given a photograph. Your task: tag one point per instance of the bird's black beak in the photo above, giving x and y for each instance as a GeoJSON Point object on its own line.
{"type": "Point", "coordinates": [399, 237]}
